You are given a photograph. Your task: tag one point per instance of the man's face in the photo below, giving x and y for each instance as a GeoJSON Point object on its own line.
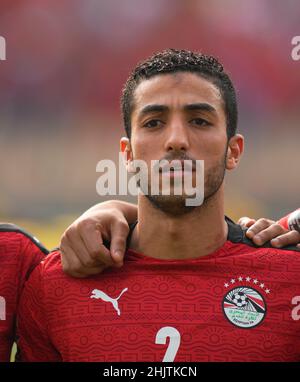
{"type": "Point", "coordinates": [180, 116]}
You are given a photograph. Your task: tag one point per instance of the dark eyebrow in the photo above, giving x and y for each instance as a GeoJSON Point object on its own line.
{"type": "Point", "coordinates": [153, 108]}
{"type": "Point", "coordinates": [200, 107]}
{"type": "Point", "coordinates": [194, 106]}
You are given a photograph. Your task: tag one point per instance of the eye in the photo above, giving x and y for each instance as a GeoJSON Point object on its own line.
{"type": "Point", "coordinates": [153, 123]}
{"type": "Point", "coordinates": [200, 122]}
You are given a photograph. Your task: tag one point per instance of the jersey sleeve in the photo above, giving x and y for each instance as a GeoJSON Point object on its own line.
{"type": "Point", "coordinates": [34, 344]}
{"type": "Point", "coordinates": [291, 221]}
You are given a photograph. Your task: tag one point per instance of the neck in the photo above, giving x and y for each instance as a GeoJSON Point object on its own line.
{"type": "Point", "coordinates": [192, 235]}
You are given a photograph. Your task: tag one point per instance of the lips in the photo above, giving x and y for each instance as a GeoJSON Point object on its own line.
{"type": "Point", "coordinates": [179, 166]}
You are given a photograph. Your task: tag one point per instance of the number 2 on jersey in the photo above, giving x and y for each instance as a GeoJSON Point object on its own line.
{"type": "Point", "coordinates": [161, 338]}
{"type": "Point", "coordinates": [2, 308]}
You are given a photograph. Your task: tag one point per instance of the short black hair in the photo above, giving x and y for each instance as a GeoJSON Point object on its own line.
{"type": "Point", "coordinates": [172, 61]}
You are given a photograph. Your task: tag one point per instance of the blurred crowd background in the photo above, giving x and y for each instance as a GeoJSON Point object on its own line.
{"type": "Point", "coordinates": [60, 86]}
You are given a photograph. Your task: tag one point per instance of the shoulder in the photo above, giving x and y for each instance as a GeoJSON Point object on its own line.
{"type": "Point", "coordinates": [51, 264]}
{"type": "Point", "coordinates": [20, 252]}
{"type": "Point", "coordinates": [14, 234]}
{"type": "Point", "coordinates": [48, 269]}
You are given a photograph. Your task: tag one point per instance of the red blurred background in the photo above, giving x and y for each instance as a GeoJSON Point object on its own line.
{"type": "Point", "coordinates": [60, 88]}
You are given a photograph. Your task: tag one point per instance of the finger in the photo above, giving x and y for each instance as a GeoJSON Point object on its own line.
{"type": "Point", "coordinates": [73, 267]}
{"type": "Point", "coordinates": [289, 238]}
{"type": "Point", "coordinates": [71, 264]}
{"type": "Point", "coordinates": [246, 222]}
{"type": "Point", "coordinates": [268, 234]}
{"type": "Point", "coordinates": [72, 240]}
{"type": "Point", "coordinates": [119, 233]}
{"type": "Point", "coordinates": [91, 235]}
{"type": "Point", "coordinates": [258, 226]}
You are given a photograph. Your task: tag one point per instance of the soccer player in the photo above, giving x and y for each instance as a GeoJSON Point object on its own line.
{"type": "Point", "coordinates": [193, 287]}
{"type": "Point", "coordinates": [19, 255]}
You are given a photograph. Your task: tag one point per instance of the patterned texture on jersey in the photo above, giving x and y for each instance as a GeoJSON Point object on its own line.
{"type": "Point", "coordinates": [232, 305]}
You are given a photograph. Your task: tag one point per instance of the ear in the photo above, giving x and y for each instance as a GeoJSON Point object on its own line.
{"type": "Point", "coordinates": [125, 149]}
{"type": "Point", "coordinates": [234, 151]}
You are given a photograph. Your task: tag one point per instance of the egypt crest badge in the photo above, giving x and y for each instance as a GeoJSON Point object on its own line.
{"type": "Point", "coordinates": [244, 305]}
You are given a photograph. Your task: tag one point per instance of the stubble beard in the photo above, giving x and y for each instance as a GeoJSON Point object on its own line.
{"type": "Point", "coordinates": [175, 205]}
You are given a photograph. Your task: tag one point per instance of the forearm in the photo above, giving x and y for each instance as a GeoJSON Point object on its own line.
{"type": "Point", "coordinates": [127, 209]}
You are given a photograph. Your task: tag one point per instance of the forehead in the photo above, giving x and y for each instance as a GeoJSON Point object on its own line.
{"type": "Point", "coordinates": [175, 90]}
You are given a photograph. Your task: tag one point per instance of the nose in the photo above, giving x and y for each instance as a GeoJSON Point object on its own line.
{"type": "Point", "coordinates": [177, 136]}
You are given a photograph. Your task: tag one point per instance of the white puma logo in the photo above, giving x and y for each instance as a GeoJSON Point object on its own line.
{"type": "Point", "coordinates": [96, 293]}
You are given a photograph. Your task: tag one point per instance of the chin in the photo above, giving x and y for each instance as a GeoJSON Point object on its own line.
{"type": "Point", "coordinates": [174, 205]}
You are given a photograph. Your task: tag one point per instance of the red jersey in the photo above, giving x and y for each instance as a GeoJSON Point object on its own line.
{"type": "Point", "coordinates": [240, 303]}
{"type": "Point", "coordinates": [19, 254]}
